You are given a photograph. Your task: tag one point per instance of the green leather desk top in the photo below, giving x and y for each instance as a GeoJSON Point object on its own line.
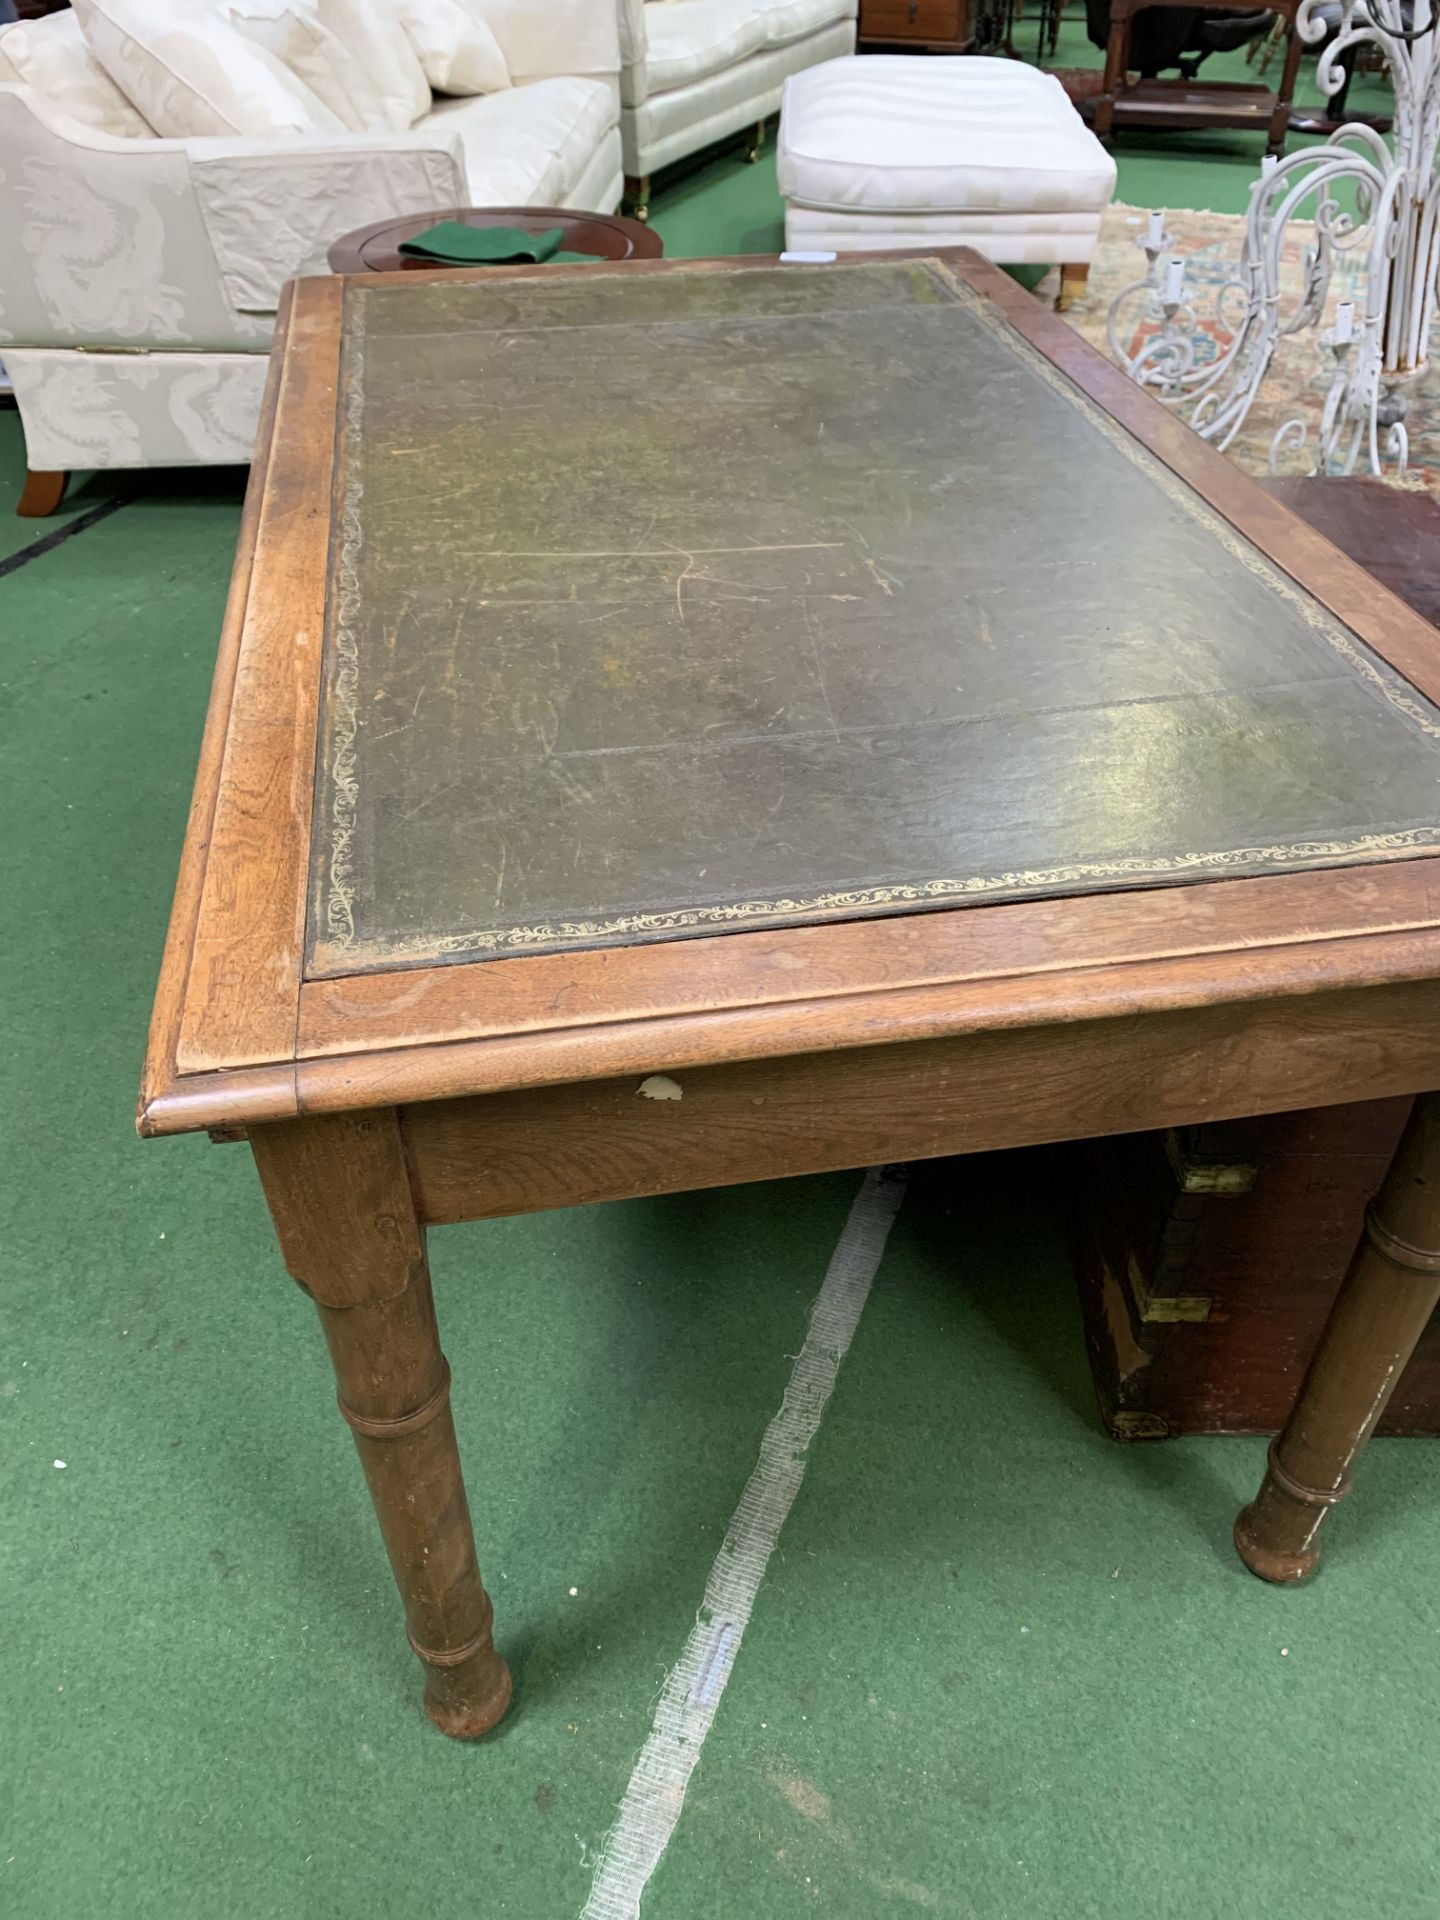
{"type": "Point", "coordinates": [683, 602]}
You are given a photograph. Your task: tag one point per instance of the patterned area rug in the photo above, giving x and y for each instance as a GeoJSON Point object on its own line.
{"type": "Point", "coordinates": [1301, 370]}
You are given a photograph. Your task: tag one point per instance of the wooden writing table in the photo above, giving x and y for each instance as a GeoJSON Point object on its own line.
{"type": "Point", "coordinates": [834, 688]}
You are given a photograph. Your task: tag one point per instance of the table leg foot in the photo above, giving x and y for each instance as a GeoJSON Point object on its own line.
{"type": "Point", "coordinates": [1275, 1534]}
{"type": "Point", "coordinates": [467, 1690]}
{"type": "Point", "coordinates": [340, 1196]}
{"type": "Point", "coordinates": [1380, 1313]}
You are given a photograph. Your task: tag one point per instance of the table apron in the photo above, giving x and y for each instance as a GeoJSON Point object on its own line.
{"type": "Point", "coordinates": [520, 1152]}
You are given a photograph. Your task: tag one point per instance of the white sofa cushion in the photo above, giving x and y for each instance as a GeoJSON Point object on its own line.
{"type": "Point", "coordinates": [371, 33]}
{"type": "Point", "coordinates": [690, 40]}
{"type": "Point", "coordinates": [189, 73]}
{"type": "Point", "coordinates": [905, 134]}
{"type": "Point", "coordinates": [456, 45]}
{"type": "Point", "coordinates": [786, 21]}
{"type": "Point", "coordinates": [529, 146]}
{"type": "Point", "coordinates": [299, 40]}
{"type": "Point", "coordinates": [687, 40]}
{"type": "Point", "coordinates": [631, 21]}
{"type": "Point", "coordinates": [659, 128]}
{"type": "Point", "coordinates": [547, 39]}
{"type": "Point", "coordinates": [51, 56]}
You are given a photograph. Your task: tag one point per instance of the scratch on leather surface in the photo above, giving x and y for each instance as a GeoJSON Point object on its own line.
{"type": "Point", "coordinates": [1234, 543]}
{"type": "Point", "coordinates": [723, 600]}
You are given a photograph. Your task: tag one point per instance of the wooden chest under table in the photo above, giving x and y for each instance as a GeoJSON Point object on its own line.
{"type": "Point", "coordinates": [1208, 1259]}
{"type": "Point", "coordinates": [834, 688]}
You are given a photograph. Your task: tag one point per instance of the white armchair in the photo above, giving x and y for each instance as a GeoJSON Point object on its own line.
{"type": "Point", "coordinates": [696, 71]}
{"type": "Point", "coordinates": [140, 276]}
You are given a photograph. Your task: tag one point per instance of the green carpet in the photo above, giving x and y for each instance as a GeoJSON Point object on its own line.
{"type": "Point", "coordinates": [1000, 1667]}
{"type": "Point", "coordinates": [84, 492]}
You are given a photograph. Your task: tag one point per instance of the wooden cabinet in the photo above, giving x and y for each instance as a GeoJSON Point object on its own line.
{"type": "Point", "coordinates": [926, 23]}
{"type": "Point", "coordinates": [1208, 1259]}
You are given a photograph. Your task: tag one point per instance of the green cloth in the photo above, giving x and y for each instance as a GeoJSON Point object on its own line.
{"type": "Point", "coordinates": [488, 246]}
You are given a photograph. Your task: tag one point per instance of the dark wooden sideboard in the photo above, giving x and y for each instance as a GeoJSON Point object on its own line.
{"type": "Point", "coordinates": [937, 25]}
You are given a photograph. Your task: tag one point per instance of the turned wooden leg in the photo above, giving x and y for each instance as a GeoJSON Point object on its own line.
{"type": "Point", "coordinates": [1117, 58]}
{"type": "Point", "coordinates": [1285, 93]}
{"type": "Point", "coordinates": [42, 494]}
{"type": "Point", "coordinates": [1388, 1296]}
{"type": "Point", "coordinates": [637, 196]}
{"type": "Point", "coordinates": [1072, 286]}
{"type": "Point", "coordinates": [340, 1198]}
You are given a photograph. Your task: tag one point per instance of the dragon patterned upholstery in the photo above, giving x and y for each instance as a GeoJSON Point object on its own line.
{"type": "Point", "coordinates": [140, 276]}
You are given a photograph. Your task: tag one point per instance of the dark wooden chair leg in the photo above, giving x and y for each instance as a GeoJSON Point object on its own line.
{"type": "Point", "coordinates": [1117, 57]}
{"type": "Point", "coordinates": [340, 1198]}
{"type": "Point", "coordinates": [42, 494]}
{"type": "Point", "coordinates": [1285, 93]}
{"type": "Point", "coordinates": [1389, 1294]}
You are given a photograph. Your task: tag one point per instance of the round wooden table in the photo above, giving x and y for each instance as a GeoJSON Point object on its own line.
{"type": "Point", "coordinates": [376, 248]}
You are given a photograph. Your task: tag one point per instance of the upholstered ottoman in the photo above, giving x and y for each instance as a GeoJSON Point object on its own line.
{"type": "Point", "coordinates": [906, 151]}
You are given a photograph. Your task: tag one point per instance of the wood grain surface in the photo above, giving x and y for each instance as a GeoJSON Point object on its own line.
{"type": "Point", "coordinates": [244, 978]}
{"type": "Point", "coordinates": [240, 1038]}
{"type": "Point", "coordinates": [168, 1013]}
{"type": "Point", "coordinates": [795, 965]}
{"type": "Point", "coordinates": [340, 1198]}
{"type": "Point", "coordinates": [341, 1202]}
{"type": "Point", "coordinates": [561, 1146]}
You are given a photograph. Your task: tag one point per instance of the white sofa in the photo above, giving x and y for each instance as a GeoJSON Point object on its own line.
{"type": "Point", "coordinates": [139, 276]}
{"type": "Point", "coordinates": [697, 71]}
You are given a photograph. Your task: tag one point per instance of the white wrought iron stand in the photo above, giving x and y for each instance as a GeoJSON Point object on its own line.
{"type": "Point", "coordinates": [1363, 199]}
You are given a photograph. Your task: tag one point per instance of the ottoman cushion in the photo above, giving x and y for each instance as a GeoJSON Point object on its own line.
{"type": "Point", "coordinates": [903, 134]}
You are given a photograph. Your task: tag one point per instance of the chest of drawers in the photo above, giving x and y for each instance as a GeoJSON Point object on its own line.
{"type": "Point", "coordinates": [921, 23]}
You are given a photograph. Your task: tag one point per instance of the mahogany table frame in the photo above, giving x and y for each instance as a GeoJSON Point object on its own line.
{"type": "Point", "coordinates": [378, 1104]}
